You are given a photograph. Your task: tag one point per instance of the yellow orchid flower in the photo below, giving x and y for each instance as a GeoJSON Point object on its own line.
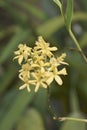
{"type": "Point", "coordinates": [39, 66]}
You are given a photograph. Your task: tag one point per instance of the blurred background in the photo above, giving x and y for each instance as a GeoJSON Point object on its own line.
{"type": "Point", "coordinates": [22, 21]}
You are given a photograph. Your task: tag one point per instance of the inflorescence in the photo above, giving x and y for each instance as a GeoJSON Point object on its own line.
{"type": "Point", "coordinates": [39, 66]}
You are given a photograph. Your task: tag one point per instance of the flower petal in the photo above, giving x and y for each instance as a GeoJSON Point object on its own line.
{"type": "Point", "coordinates": [49, 80]}
{"type": "Point", "coordinates": [53, 48]}
{"type": "Point", "coordinates": [44, 85]}
{"type": "Point", "coordinates": [58, 80]}
{"type": "Point", "coordinates": [37, 87]}
{"type": "Point", "coordinates": [28, 88]}
{"type": "Point", "coordinates": [22, 87]}
{"type": "Point", "coordinates": [20, 59]}
{"type": "Point", "coordinates": [62, 72]}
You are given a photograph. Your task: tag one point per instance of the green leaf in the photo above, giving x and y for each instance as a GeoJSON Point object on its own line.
{"type": "Point", "coordinates": [5, 80]}
{"type": "Point", "coordinates": [49, 27]}
{"type": "Point", "coordinates": [8, 31]}
{"type": "Point", "coordinates": [58, 3]}
{"type": "Point", "coordinates": [31, 120]}
{"type": "Point", "coordinates": [2, 3]}
{"type": "Point", "coordinates": [54, 24]}
{"type": "Point", "coordinates": [17, 16]}
{"type": "Point", "coordinates": [74, 125]}
{"type": "Point", "coordinates": [74, 104]}
{"type": "Point", "coordinates": [14, 111]}
{"type": "Point", "coordinates": [41, 96]}
{"type": "Point", "coordinates": [83, 40]}
{"type": "Point", "coordinates": [69, 13]}
{"type": "Point", "coordinates": [11, 46]}
{"type": "Point", "coordinates": [32, 9]}
{"type": "Point", "coordinates": [6, 102]}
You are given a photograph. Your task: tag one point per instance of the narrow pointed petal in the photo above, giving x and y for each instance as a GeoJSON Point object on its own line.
{"type": "Point", "coordinates": [49, 80]}
{"type": "Point", "coordinates": [58, 80]}
{"type": "Point", "coordinates": [20, 59]}
{"type": "Point", "coordinates": [37, 87]}
{"type": "Point", "coordinates": [53, 48]}
{"type": "Point", "coordinates": [62, 72]}
{"type": "Point", "coordinates": [22, 87]}
{"type": "Point", "coordinates": [28, 88]}
{"type": "Point", "coordinates": [44, 85]}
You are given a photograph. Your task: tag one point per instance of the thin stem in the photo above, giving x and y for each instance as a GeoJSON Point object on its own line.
{"type": "Point", "coordinates": [54, 115]}
{"type": "Point", "coordinates": [77, 44]}
{"type": "Point", "coordinates": [51, 110]}
{"type": "Point", "coordinates": [72, 119]}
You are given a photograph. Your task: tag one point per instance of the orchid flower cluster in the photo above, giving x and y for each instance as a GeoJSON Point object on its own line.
{"type": "Point", "coordinates": [39, 66]}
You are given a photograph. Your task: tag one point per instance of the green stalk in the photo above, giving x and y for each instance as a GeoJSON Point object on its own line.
{"type": "Point", "coordinates": [77, 44]}
{"type": "Point", "coordinates": [72, 119]}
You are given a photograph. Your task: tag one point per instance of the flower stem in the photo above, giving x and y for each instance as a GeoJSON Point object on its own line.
{"type": "Point", "coordinates": [72, 119]}
{"type": "Point", "coordinates": [77, 44]}
{"type": "Point", "coordinates": [55, 116]}
{"type": "Point", "coordinates": [51, 110]}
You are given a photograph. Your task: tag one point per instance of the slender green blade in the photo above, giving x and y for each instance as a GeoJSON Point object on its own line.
{"type": "Point", "coordinates": [49, 27]}
{"type": "Point", "coordinates": [5, 80]}
{"type": "Point", "coordinates": [58, 3]}
{"type": "Point", "coordinates": [32, 9]}
{"type": "Point", "coordinates": [31, 120]}
{"type": "Point", "coordinates": [69, 13]}
{"type": "Point", "coordinates": [8, 50]}
{"type": "Point", "coordinates": [22, 99]}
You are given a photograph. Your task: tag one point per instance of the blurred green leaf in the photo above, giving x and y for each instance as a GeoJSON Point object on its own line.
{"type": "Point", "coordinates": [7, 100]}
{"type": "Point", "coordinates": [74, 103]}
{"type": "Point", "coordinates": [18, 17]}
{"type": "Point", "coordinates": [7, 31]}
{"type": "Point", "coordinates": [22, 99]}
{"type": "Point", "coordinates": [11, 46]}
{"type": "Point", "coordinates": [68, 14]}
{"type": "Point", "coordinates": [48, 28]}
{"type": "Point", "coordinates": [32, 9]}
{"type": "Point", "coordinates": [31, 121]}
{"type": "Point", "coordinates": [41, 96]}
{"type": "Point", "coordinates": [54, 24]}
{"type": "Point", "coordinates": [76, 58]}
{"type": "Point", "coordinates": [74, 125]}
{"type": "Point", "coordinates": [2, 3]}
{"type": "Point", "coordinates": [5, 80]}
{"type": "Point", "coordinates": [83, 4]}
{"type": "Point", "coordinates": [83, 40]}
{"type": "Point", "coordinates": [83, 89]}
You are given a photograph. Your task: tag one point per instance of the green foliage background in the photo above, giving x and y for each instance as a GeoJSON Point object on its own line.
{"type": "Point", "coordinates": [22, 21]}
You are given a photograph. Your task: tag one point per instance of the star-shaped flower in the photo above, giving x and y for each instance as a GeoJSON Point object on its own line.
{"type": "Point", "coordinates": [23, 53]}
{"type": "Point", "coordinates": [44, 47]}
{"type": "Point", "coordinates": [55, 74]}
{"type": "Point", "coordinates": [39, 80]}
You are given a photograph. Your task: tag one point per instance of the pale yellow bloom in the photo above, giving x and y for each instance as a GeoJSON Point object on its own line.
{"type": "Point", "coordinates": [60, 59]}
{"type": "Point", "coordinates": [39, 66]}
{"type": "Point", "coordinates": [36, 56]}
{"type": "Point", "coordinates": [25, 71]}
{"type": "Point", "coordinates": [55, 74]}
{"type": "Point", "coordinates": [27, 85]}
{"type": "Point", "coordinates": [44, 47]}
{"type": "Point", "coordinates": [23, 53]}
{"type": "Point", "coordinates": [39, 80]}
